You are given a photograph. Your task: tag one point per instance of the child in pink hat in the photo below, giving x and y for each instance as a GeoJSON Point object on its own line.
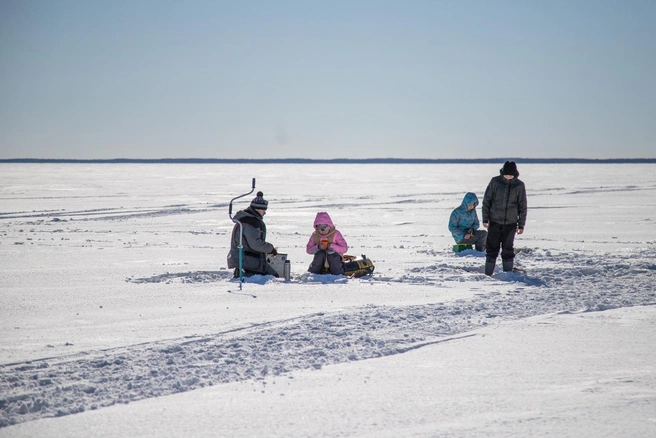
{"type": "Point", "coordinates": [328, 246]}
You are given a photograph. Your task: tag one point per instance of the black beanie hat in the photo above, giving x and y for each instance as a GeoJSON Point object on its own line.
{"type": "Point", "coordinates": [259, 203]}
{"type": "Point", "coordinates": [509, 168]}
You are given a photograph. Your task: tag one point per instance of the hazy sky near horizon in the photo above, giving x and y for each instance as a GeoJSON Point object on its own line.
{"type": "Point", "coordinates": [317, 79]}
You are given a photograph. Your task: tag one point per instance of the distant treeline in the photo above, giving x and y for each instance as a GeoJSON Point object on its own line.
{"type": "Point", "coordinates": [330, 161]}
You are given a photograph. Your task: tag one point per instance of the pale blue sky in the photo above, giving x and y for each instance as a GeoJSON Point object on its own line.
{"type": "Point", "coordinates": [327, 79]}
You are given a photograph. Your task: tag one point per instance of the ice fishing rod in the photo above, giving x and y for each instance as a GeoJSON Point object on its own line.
{"type": "Point", "coordinates": [241, 234]}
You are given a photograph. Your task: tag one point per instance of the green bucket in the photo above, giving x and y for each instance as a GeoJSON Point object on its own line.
{"type": "Point", "coordinates": [458, 247]}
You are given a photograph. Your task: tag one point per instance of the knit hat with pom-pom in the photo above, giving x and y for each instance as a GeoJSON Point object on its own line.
{"type": "Point", "coordinates": [259, 203]}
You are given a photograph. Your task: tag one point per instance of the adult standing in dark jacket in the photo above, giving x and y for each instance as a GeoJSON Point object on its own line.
{"type": "Point", "coordinates": [255, 247]}
{"type": "Point", "coordinates": [504, 214]}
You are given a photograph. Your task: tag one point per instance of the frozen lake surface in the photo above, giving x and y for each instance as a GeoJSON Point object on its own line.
{"type": "Point", "coordinates": [117, 305]}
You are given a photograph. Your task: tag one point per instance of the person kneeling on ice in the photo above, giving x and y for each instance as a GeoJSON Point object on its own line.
{"type": "Point", "coordinates": [255, 247]}
{"type": "Point", "coordinates": [464, 223]}
{"type": "Point", "coordinates": [328, 246]}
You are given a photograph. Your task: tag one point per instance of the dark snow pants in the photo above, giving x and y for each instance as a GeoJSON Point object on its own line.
{"type": "Point", "coordinates": [478, 240]}
{"type": "Point", "coordinates": [500, 236]}
{"type": "Point", "coordinates": [322, 258]}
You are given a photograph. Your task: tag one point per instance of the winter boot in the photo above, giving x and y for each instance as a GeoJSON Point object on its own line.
{"type": "Point", "coordinates": [489, 267]}
{"type": "Point", "coordinates": [508, 265]}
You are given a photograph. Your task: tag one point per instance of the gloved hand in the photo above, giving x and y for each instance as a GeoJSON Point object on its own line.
{"type": "Point", "coordinates": [275, 251]}
{"type": "Point", "coordinates": [314, 250]}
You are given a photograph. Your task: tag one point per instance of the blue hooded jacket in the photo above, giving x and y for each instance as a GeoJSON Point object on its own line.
{"type": "Point", "coordinates": [462, 221]}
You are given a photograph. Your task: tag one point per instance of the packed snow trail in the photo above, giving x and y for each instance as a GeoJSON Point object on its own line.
{"type": "Point", "coordinates": [88, 381]}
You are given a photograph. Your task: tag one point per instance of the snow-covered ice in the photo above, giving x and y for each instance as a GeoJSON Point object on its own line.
{"type": "Point", "coordinates": [117, 306]}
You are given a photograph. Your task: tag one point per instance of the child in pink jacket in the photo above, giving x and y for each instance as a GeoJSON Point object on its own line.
{"type": "Point", "coordinates": [328, 246]}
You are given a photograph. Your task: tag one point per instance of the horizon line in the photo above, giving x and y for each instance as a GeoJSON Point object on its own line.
{"type": "Point", "coordinates": [325, 161]}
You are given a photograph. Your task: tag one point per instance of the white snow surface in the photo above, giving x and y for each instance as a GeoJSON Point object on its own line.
{"type": "Point", "coordinates": [118, 316]}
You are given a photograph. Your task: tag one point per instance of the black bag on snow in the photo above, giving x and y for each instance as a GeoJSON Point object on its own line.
{"type": "Point", "coordinates": [358, 268]}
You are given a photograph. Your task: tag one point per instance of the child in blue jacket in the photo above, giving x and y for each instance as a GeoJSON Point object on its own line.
{"type": "Point", "coordinates": [464, 224]}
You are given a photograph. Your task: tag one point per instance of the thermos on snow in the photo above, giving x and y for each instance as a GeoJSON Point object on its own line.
{"type": "Point", "coordinates": [287, 270]}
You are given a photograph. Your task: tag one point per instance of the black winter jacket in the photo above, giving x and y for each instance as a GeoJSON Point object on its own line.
{"type": "Point", "coordinates": [255, 247]}
{"type": "Point", "coordinates": [505, 202]}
